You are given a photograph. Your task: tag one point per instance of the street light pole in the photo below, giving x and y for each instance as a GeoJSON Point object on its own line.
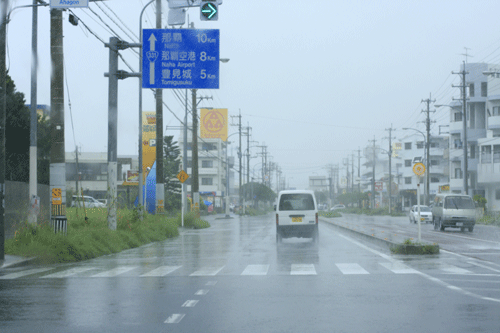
{"type": "Point", "coordinates": [426, 145]}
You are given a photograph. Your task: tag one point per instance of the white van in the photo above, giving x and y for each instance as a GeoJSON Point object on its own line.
{"type": "Point", "coordinates": [453, 210]}
{"type": "Point", "coordinates": [89, 202]}
{"type": "Point", "coordinates": [296, 215]}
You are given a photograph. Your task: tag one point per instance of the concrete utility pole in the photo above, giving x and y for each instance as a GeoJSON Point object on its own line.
{"type": "Point", "coordinates": [359, 170]}
{"type": "Point", "coordinates": [428, 147]}
{"type": "Point", "coordinates": [239, 155]}
{"type": "Point", "coordinates": [390, 167]}
{"type": "Point", "coordinates": [464, 120]}
{"type": "Point", "coordinates": [57, 158]}
{"type": "Point", "coordinates": [33, 115]}
{"type": "Point", "coordinates": [373, 176]}
{"type": "Point", "coordinates": [3, 111]}
{"type": "Point", "coordinates": [263, 154]}
{"type": "Point", "coordinates": [195, 182]}
{"type": "Point", "coordinates": [160, 181]}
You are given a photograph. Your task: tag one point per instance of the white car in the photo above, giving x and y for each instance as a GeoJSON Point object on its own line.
{"type": "Point", "coordinates": [425, 214]}
{"type": "Point", "coordinates": [296, 215]}
{"type": "Point", "coordinates": [89, 202]}
{"type": "Point", "coordinates": [337, 207]}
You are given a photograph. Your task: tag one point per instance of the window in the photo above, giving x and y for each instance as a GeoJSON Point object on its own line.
{"type": "Point", "coordinates": [208, 146]}
{"type": "Point", "coordinates": [496, 154]}
{"type": "Point", "coordinates": [496, 111]}
{"type": "Point", "coordinates": [472, 153]}
{"type": "Point", "coordinates": [407, 180]}
{"type": "Point", "coordinates": [407, 145]}
{"type": "Point", "coordinates": [434, 179]}
{"type": "Point", "coordinates": [458, 173]}
{"type": "Point", "coordinates": [434, 162]}
{"type": "Point", "coordinates": [434, 145]}
{"type": "Point", "coordinates": [485, 154]}
{"type": "Point", "coordinates": [421, 180]}
{"type": "Point", "coordinates": [497, 194]}
{"type": "Point", "coordinates": [457, 144]}
{"type": "Point", "coordinates": [207, 164]}
{"type": "Point", "coordinates": [472, 116]}
{"type": "Point", "coordinates": [407, 163]}
{"type": "Point", "coordinates": [484, 89]}
{"type": "Point", "coordinates": [457, 116]}
{"type": "Point", "coordinates": [420, 144]}
{"type": "Point", "coordinates": [471, 89]}
{"type": "Point", "coordinates": [206, 181]}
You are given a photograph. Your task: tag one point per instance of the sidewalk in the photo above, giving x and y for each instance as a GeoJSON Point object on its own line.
{"type": "Point", "coordinates": [14, 261]}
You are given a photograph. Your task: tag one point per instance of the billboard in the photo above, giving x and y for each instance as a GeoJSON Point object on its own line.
{"type": "Point", "coordinates": [213, 124]}
{"type": "Point", "coordinates": [148, 140]}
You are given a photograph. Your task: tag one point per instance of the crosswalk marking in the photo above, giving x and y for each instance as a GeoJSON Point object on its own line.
{"type": "Point", "coordinates": [23, 273]}
{"type": "Point", "coordinates": [207, 271]}
{"type": "Point", "coordinates": [161, 271]}
{"type": "Point", "coordinates": [190, 303]}
{"type": "Point", "coordinates": [115, 271]}
{"type": "Point", "coordinates": [256, 270]}
{"type": "Point", "coordinates": [303, 269]}
{"type": "Point", "coordinates": [351, 269]}
{"type": "Point", "coordinates": [453, 269]}
{"type": "Point", "coordinates": [398, 268]}
{"type": "Point", "coordinates": [68, 272]}
{"type": "Point", "coordinates": [175, 318]}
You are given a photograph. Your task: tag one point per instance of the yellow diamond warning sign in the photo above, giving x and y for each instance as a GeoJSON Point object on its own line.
{"type": "Point", "coordinates": [182, 176]}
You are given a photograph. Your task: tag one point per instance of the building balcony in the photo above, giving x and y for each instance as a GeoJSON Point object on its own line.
{"type": "Point", "coordinates": [473, 134]}
{"type": "Point", "coordinates": [456, 127]}
{"type": "Point", "coordinates": [208, 171]}
{"type": "Point", "coordinates": [488, 173]}
{"type": "Point", "coordinates": [456, 183]}
{"type": "Point", "coordinates": [494, 122]}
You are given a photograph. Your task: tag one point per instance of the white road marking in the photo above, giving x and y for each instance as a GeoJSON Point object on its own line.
{"type": "Point", "coordinates": [256, 270]}
{"type": "Point", "coordinates": [211, 283]}
{"type": "Point", "coordinates": [161, 271]}
{"type": "Point", "coordinates": [431, 278]}
{"type": "Point", "coordinates": [398, 268]}
{"type": "Point", "coordinates": [115, 271]}
{"type": "Point", "coordinates": [202, 292]}
{"type": "Point", "coordinates": [68, 272]}
{"type": "Point", "coordinates": [190, 303]}
{"type": "Point", "coordinates": [453, 269]}
{"type": "Point", "coordinates": [175, 318]}
{"type": "Point", "coordinates": [23, 273]}
{"type": "Point", "coordinates": [351, 269]}
{"type": "Point", "coordinates": [303, 269]}
{"type": "Point", "coordinates": [207, 271]}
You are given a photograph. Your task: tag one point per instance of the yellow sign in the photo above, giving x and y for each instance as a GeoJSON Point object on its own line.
{"type": "Point", "coordinates": [182, 176]}
{"type": "Point", "coordinates": [419, 169]}
{"type": "Point", "coordinates": [56, 196]}
{"type": "Point", "coordinates": [213, 124]}
{"type": "Point", "coordinates": [148, 140]}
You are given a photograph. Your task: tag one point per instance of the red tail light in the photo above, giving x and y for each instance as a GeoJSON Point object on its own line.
{"type": "Point", "coordinates": [277, 219]}
{"type": "Point", "coordinates": [316, 218]}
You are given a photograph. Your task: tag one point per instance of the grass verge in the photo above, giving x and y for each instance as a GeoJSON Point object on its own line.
{"type": "Point", "coordinates": [409, 247]}
{"type": "Point", "coordinates": [376, 211]}
{"type": "Point", "coordinates": [92, 238]}
{"type": "Point", "coordinates": [329, 214]}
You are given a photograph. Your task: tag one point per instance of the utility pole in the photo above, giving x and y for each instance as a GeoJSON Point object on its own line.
{"type": "Point", "coordinates": [373, 176]}
{"type": "Point", "coordinates": [57, 158]}
{"type": "Point", "coordinates": [248, 128]}
{"type": "Point", "coordinates": [3, 111]}
{"type": "Point", "coordinates": [427, 147]}
{"type": "Point", "coordinates": [195, 187]}
{"type": "Point", "coordinates": [239, 155]}
{"type": "Point", "coordinates": [33, 114]}
{"type": "Point", "coordinates": [160, 181]}
{"type": "Point", "coordinates": [464, 120]}
{"type": "Point", "coordinates": [359, 169]}
{"type": "Point", "coordinates": [390, 167]}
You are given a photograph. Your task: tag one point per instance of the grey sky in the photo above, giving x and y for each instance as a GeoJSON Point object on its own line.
{"type": "Point", "coordinates": [314, 79]}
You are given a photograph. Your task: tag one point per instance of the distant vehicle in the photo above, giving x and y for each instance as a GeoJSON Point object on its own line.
{"type": "Point", "coordinates": [88, 201]}
{"type": "Point", "coordinates": [296, 215]}
{"type": "Point", "coordinates": [322, 207]}
{"type": "Point", "coordinates": [425, 214]}
{"type": "Point", "coordinates": [231, 207]}
{"type": "Point", "coordinates": [337, 207]}
{"type": "Point", "coordinates": [454, 210]}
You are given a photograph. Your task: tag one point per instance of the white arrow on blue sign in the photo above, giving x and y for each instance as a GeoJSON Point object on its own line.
{"type": "Point", "coordinates": [180, 58]}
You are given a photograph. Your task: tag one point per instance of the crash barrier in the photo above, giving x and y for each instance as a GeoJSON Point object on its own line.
{"type": "Point", "coordinates": [60, 224]}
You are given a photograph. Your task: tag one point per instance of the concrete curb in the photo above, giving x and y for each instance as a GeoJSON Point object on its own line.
{"type": "Point", "coordinates": [397, 248]}
{"type": "Point", "coordinates": [15, 261]}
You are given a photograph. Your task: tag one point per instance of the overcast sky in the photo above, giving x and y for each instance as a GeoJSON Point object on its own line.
{"type": "Point", "coordinates": [314, 79]}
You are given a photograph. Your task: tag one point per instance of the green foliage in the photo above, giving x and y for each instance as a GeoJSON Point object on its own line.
{"type": "Point", "coordinates": [376, 211]}
{"type": "Point", "coordinates": [90, 238]}
{"type": "Point", "coordinates": [480, 200]}
{"type": "Point", "coordinates": [191, 221]}
{"type": "Point", "coordinates": [330, 214]}
{"type": "Point", "coordinates": [171, 167]}
{"type": "Point", "coordinates": [489, 219]}
{"type": "Point", "coordinates": [409, 247]}
{"type": "Point", "coordinates": [321, 196]}
{"type": "Point", "coordinates": [260, 192]}
{"type": "Point", "coordinates": [353, 198]}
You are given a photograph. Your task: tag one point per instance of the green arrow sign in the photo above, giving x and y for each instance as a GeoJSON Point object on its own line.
{"type": "Point", "coordinates": [209, 10]}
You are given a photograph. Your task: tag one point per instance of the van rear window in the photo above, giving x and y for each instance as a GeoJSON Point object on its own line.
{"type": "Point", "coordinates": [459, 203]}
{"type": "Point", "coordinates": [296, 201]}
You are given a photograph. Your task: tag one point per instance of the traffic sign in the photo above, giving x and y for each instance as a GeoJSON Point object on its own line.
{"type": "Point", "coordinates": [56, 196]}
{"type": "Point", "coordinates": [180, 58]}
{"type": "Point", "coordinates": [182, 176]}
{"type": "Point", "coordinates": [419, 169]}
{"type": "Point", "coordinates": [209, 11]}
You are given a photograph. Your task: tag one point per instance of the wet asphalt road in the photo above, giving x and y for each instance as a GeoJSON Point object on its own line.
{"type": "Point", "coordinates": [233, 277]}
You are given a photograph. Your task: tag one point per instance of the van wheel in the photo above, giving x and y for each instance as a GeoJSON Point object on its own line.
{"type": "Point", "coordinates": [471, 228]}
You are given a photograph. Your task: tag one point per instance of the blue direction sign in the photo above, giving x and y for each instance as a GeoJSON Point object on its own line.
{"type": "Point", "coordinates": [180, 58]}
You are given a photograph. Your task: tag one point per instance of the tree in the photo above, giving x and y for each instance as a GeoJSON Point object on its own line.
{"type": "Point", "coordinates": [171, 164]}
{"type": "Point", "coordinates": [260, 192]}
{"type": "Point", "coordinates": [17, 133]}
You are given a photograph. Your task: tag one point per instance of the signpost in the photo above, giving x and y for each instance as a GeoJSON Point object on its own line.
{"type": "Point", "coordinates": [182, 176]}
{"type": "Point", "coordinates": [69, 3]}
{"type": "Point", "coordinates": [419, 170]}
{"type": "Point", "coordinates": [180, 58]}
